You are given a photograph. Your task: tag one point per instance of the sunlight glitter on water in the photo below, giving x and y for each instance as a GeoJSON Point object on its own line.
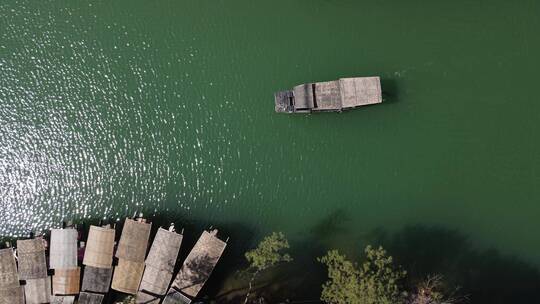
{"type": "Point", "coordinates": [80, 140]}
{"type": "Point", "coordinates": [109, 108]}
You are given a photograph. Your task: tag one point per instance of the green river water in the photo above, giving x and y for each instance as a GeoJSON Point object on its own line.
{"type": "Point", "coordinates": [166, 107]}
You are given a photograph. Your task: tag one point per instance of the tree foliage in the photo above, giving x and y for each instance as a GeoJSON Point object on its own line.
{"type": "Point", "coordinates": [269, 252]}
{"type": "Point", "coordinates": [376, 281]}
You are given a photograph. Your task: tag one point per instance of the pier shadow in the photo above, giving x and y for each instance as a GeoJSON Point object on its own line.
{"type": "Point", "coordinates": [483, 275]}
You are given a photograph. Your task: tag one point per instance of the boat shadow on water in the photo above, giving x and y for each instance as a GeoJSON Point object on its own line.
{"type": "Point", "coordinates": [390, 90]}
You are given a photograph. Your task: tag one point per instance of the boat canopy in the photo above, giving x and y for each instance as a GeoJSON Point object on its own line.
{"type": "Point", "coordinates": [164, 250]}
{"type": "Point", "coordinates": [161, 261]}
{"type": "Point", "coordinates": [199, 264]}
{"type": "Point", "coordinates": [11, 291]}
{"type": "Point", "coordinates": [63, 252]}
{"type": "Point", "coordinates": [38, 290]}
{"type": "Point", "coordinates": [90, 298]}
{"type": "Point", "coordinates": [12, 295]}
{"type": "Point", "coordinates": [133, 241]}
{"type": "Point", "coordinates": [66, 281]}
{"type": "Point", "coordinates": [96, 279]}
{"type": "Point", "coordinates": [31, 258]}
{"type": "Point", "coordinates": [127, 276]}
{"type": "Point", "coordinates": [156, 280]}
{"type": "Point", "coordinates": [144, 298]}
{"type": "Point", "coordinates": [176, 297]}
{"type": "Point", "coordinates": [99, 247]}
{"type": "Point", "coordinates": [8, 269]}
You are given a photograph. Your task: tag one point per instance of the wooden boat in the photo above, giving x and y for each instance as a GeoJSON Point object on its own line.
{"type": "Point", "coordinates": [11, 291]}
{"type": "Point", "coordinates": [90, 298]}
{"type": "Point", "coordinates": [97, 280]}
{"type": "Point", "coordinates": [131, 253]}
{"type": "Point", "coordinates": [134, 240]}
{"type": "Point", "coordinates": [8, 269]}
{"type": "Point", "coordinates": [127, 276]}
{"type": "Point", "coordinates": [33, 269]}
{"type": "Point", "coordinates": [14, 295]}
{"type": "Point", "coordinates": [330, 96]}
{"type": "Point", "coordinates": [63, 259]}
{"type": "Point", "coordinates": [66, 281]}
{"type": "Point", "coordinates": [63, 251]}
{"type": "Point", "coordinates": [145, 298]}
{"type": "Point", "coordinates": [37, 291]}
{"type": "Point", "coordinates": [98, 259]}
{"type": "Point", "coordinates": [176, 297]}
{"type": "Point", "coordinates": [197, 268]}
{"type": "Point", "coordinates": [161, 261]}
{"type": "Point", "coordinates": [99, 247]}
{"type": "Point", "coordinates": [31, 258]}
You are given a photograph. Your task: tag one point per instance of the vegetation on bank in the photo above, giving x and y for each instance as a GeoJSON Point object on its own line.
{"type": "Point", "coordinates": [269, 253]}
{"type": "Point", "coordinates": [377, 280]}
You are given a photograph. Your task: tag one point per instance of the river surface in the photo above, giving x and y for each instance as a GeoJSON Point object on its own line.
{"type": "Point", "coordinates": [108, 108]}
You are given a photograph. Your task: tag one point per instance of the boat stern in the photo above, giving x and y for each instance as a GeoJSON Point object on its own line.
{"type": "Point", "coordinates": [284, 102]}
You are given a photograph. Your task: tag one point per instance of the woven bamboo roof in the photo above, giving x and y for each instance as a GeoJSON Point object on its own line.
{"type": "Point", "coordinates": [156, 280]}
{"type": "Point", "coordinates": [66, 281]}
{"type": "Point", "coordinates": [90, 298]}
{"type": "Point", "coordinates": [175, 297]}
{"type": "Point", "coordinates": [31, 245]}
{"type": "Point", "coordinates": [327, 96]}
{"type": "Point", "coordinates": [63, 252]}
{"type": "Point", "coordinates": [144, 298]}
{"type": "Point", "coordinates": [31, 259]}
{"type": "Point", "coordinates": [96, 279]}
{"type": "Point", "coordinates": [360, 91]}
{"type": "Point", "coordinates": [199, 264]}
{"type": "Point", "coordinates": [38, 291]}
{"type": "Point", "coordinates": [133, 241]}
{"type": "Point", "coordinates": [62, 299]}
{"type": "Point", "coordinates": [127, 276]}
{"type": "Point", "coordinates": [13, 295]}
{"type": "Point", "coordinates": [164, 250]}
{"type": "Point", "coordinates": [99, 247]}
{"type": "Point", "coordinates": [8, 269]}
{"type": "Point", "coordinates": [161, 261]}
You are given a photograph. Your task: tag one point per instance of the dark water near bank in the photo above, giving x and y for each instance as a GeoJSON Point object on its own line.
{"type": "Point", "coordinates": [113, 107]}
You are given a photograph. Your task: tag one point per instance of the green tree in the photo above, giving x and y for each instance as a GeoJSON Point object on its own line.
{"type": "Point", "coordinates": [374, 282]}
{"type": "Point", "coordinates": [269, 253]}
